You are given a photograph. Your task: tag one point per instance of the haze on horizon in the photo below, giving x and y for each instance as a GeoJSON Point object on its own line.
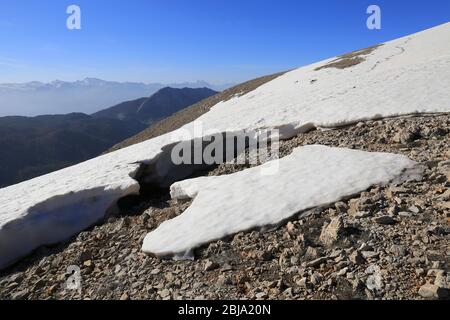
{"type": "Point", "coordinates": [184, 41]}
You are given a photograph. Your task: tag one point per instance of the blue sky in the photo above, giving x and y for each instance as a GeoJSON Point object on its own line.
{"type": "Point", "coordinates": [219, 41]}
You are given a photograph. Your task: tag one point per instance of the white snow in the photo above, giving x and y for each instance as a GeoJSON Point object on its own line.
{"type": "Point", "coordinates": [309, 177]}
{"type": "Point", "coordinates": [405, 76]}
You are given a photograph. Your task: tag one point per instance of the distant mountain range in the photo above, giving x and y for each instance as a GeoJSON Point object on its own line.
{"type": "Point", "coordinates": [33, 146]}
{"type": "Point", "coordinates": [88, 96]}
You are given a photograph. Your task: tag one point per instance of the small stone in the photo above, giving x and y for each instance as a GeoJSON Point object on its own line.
{"type": "Point", "coordinates": [420, 271]}
{"type": "Point", "coordinates": [224, 280]}
{"type": "Point", "coordinates": [164, 293]}
{"type": "Point", "coordinates": [370, 254]}
{"type": "Point", "coordinates": [331, 232]}
{"type": "Point", "coordinates": [210, 265]}
{"type": "Point", "coordinates": [169, 277]}
{"type": "Point", "coordinates": [442, 281]}
{"type": "Point", "coordinates": [294, 260]}
{"type": "Point", "coordinates": [392, 191]}
{"type": "Point", "coordinates": [365, 247]}
{"type": "Point", "coordinates": [398, 250]}
{"type": "Point", "coordinates": [84, 256]}
{"type": "Point", "coordinates": [290, 228]}
{"type": "Point", "coordinates": [445, 196]}
{"type": "Point", "coordinates": [12, 285]}
{"type": "Point", "coordinates": [285, 259]}
{"type": "Point", "coordinates": [361, 215]}
{"type": "Point", "coordinates": [374, 281]}
{"type": "Point", "coordinates": [52, 289]}
{"type": "Point", "coordinates": [354, 206]}
{"type": "Point", "coordinates": [405, 214]}
{"type": "Point", "coordinates": [373, 268]}
{"type": "Point", "coordinates": [393, 210]}
{"type": "Point", "coordinates": [155, 271]}
{"type": "Point", "coordinates": [414, 209]}
{"type": "Point", "coordinates": [432, 291]}
{"type": "Point", "coordinates": [125, 296]}
{"type": "Point", "coordinates": [288, 292]}
{"type": "Point", "coordinates": [447, 154]}
{"type": "Point", "coordinates": [435, 265]}
{"type": "Point", "coordinates": [226, 267]}
{"type": "Point", "coordinates": [385, 220]}
{"type": "Point", "coordinates": [407, 135]}
{"type": "Point", "coordinates": [87, 263]}
{"type": "Point", "coordinates": [316, 262]}
{"type": "Point", "coordinates": [18, 277]}
{"type": "Point", "coordinates": [316, 278]}
{"type": "Point", "coordinates": [20, 295]}
{"type": "Point", "coordinates": [342, 272]}
{"type": "Point", "coordinates": [335, 253]}
{"type": "Point", "coordinates": [261, 295]}
{"type": "Point", "coordinates": [341, 207]}
{"type": "Point", "coordinates": [341, 258]}
{"type": "Point", "coordinates": [271, 284]}
{"type": "Point", "coordinates": [311, 253]}
{"type": "Point", "coordinates": [302, 283]}
{"type": "Point", "coordinates": [435, 272]}
{"type": "Point", "coordinates": [356, 257]}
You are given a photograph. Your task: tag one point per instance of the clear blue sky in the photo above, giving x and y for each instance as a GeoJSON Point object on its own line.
{"type": "Point", "coordinates": [173, 40]}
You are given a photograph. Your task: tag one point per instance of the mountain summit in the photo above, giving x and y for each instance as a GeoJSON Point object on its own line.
{"type": "Point", "coordinates": [88, 95]}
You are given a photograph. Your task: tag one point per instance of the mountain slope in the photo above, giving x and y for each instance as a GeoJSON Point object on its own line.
{"type": "Point", "coordinates": [291, 255]}
{"type": "Point", "coordinates": [410, 75]}
{"type": "Point", "coordinates": [191, 113]}
{"type": "Point", "coordinates": [161, 104]}
{"type": "Point", "coordinates": [35, 146]}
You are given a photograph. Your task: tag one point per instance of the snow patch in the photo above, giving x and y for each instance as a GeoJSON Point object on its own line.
{"type": "Point", "coordinates": [309, 177]}
{"type": "Point", "coordinates": [414, 80]}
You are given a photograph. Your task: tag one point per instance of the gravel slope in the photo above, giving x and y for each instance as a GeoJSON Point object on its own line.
{"type": "Point", "coordinates": [388, 242]}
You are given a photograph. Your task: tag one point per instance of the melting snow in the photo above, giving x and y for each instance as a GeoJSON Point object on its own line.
{"type": "Point", "coordinates": [406, 76]}
{"type": "Point", "coordinates": [309, 177]}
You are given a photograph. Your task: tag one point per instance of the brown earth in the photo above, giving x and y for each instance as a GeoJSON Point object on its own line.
{"type": "Point", "coordinates": [349, 60]}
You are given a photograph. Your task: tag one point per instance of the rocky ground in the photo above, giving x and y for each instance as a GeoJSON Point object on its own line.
{"type": "Point", "coordinates": [389, 242]}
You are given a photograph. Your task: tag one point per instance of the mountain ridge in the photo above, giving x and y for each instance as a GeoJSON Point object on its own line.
{"type": "Point", "coordinates": [159, 105]}
{"type": "Point", "coordinates": [45, 143]}
{"type": "Point", "coordinates": [41, 144]}
{"type": "Point", "coordinates": [89, 95]}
